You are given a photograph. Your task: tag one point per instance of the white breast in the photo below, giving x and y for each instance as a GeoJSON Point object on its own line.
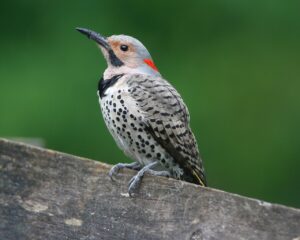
{"type": "Point", "coordinates": [113, 117]}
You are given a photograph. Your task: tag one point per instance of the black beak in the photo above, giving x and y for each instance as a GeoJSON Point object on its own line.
{"type": "Point", "coordinates": [102, 41]}
{"type": "Point", "coordinates": [95, 36]}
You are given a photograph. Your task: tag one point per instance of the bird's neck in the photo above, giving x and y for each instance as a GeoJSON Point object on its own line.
{"type": "Point", "coordinates": [144, 69]}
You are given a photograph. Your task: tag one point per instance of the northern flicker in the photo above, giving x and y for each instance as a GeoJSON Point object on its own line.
{"type": "Point", "coordinates": [145, 114]}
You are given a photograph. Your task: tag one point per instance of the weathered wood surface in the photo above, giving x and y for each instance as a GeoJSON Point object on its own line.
{"type": "Point", "coordinates": [51, 195]}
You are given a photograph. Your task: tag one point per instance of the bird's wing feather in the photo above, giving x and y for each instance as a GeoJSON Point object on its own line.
{"type": "Point", "coordinates": [167, 120]}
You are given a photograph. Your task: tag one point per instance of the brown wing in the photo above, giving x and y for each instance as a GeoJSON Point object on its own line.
{"type": "Point", "coordinates": [167, 120]}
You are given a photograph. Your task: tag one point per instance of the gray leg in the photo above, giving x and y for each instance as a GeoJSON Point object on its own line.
{"type": "Point", "coordinates": [136, 180]}
{"type": "Point", "coordinates": [115, 169]}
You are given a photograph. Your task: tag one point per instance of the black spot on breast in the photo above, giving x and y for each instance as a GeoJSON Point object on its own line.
{"type": "Point", "coordinates": [104, 84]}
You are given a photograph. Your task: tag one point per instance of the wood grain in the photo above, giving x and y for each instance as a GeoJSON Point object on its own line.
{"type": "Point", "coordinates": [50, 195]}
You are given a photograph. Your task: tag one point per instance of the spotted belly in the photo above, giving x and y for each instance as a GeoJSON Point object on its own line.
{"type": "Point", "coordinates": [124, 121]}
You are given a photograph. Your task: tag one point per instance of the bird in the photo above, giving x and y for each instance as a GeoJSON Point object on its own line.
{"type": "Point", "coordinates": [145, 114]}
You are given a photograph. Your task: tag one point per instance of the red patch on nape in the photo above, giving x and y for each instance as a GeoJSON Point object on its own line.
{"type": "Point", "coordinates": [151, 64]}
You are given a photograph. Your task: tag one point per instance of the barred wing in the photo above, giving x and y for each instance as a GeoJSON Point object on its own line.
{"type": "Point", "coordinates": [167, 120]}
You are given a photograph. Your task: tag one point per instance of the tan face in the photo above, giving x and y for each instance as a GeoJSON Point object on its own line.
{"type": "Point", "coordinates": [126, 52]}
{"type": "Point", "coordinates": [120, 50]}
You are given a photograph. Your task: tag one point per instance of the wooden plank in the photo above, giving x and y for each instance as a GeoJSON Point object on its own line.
{"type": "Point", "coordinates": [50, 195]}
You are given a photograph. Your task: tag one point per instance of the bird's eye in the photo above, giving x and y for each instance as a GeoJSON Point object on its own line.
{"type": "Point", "coordinates": [124, 48]}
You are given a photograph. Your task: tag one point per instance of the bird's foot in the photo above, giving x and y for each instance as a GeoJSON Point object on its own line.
{"type": "Point", "coordinates": [115, 169]}
{"type": "Point", "coordinates": [135, 181]}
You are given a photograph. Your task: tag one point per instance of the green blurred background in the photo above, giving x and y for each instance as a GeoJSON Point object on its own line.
{"type": "Point", "coordinates": [236, 64]}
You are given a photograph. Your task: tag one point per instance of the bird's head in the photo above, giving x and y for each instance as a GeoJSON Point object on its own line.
{"type": "Point", "coordinates": [123, 53]}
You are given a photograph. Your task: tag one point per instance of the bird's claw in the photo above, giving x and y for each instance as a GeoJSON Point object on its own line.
{"type": "Point", "coordinates": [134, 183]}
{"type": "Point", "coordinates": [114, 171]}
